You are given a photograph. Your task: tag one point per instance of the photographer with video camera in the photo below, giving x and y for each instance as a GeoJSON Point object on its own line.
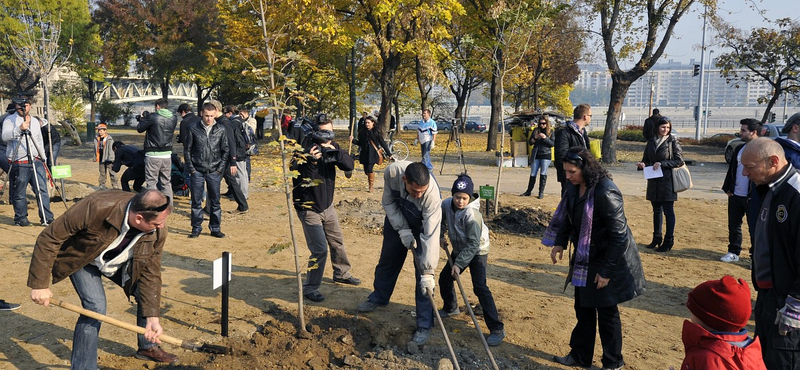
{"type": "Point", "coordinates": [23, 134]}
{"type": "Point", "coordinates": [313, 201]}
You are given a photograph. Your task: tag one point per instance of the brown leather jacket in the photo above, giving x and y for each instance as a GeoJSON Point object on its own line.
{"type": "Point", "coordinates": [76, 238]}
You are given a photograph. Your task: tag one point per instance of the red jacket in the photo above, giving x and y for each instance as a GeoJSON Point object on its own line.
{"type": "Point", "coordinates": [709, 351]}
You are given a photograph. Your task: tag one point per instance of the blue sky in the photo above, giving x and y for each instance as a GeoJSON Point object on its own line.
{"type": "Point", "coordinates": [685, 43]}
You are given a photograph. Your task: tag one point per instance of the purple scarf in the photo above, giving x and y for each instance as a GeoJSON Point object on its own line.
{"type": "Point", "coordinates": [581, 268]}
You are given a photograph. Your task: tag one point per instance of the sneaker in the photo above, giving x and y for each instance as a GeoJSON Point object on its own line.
{"type": "Point", "coordinates": [444, 313]}
{"type": "Point", "coordinates": [217, 234]}
{"type": "Point", "coordinates": [22, 223]}
{"type": "Point", "coordinates": [421, 336]}
{"type": "Point", "coordinates": [5, 306]}
{"type": "Point", "coordinates": [495, 337]}
{"type": "Point", "coordinates": [351, 281]}
{"type": "Point", "coordinates": [367, 306]}
{"type": "Point", "coordinates": [156, 354]}
{"type": "Point", "coordinates": [729, 257]}
{"type": "Point", "coordinates": [315, 296]}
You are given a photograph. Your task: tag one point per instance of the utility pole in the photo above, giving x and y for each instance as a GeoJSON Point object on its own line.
{"type": "Point", "coordinates": [652, 90]}
{"type": "Point", "coordinates": [702, 75]}
{"type": "Point", "coordinates": [708, 92]}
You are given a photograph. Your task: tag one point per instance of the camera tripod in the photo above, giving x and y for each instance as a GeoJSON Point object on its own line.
{"type": "Point", "coordinates": [26, 136]}
{"type": "Point", "coordinates": [456, 139]}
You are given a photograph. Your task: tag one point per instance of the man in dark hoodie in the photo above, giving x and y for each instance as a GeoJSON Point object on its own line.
{"type": "Point", "coordinates": [314, 205]}
{"type": "Point", "coordinates": [159, 129]}
{"type": "Point", "coordinates": [791, 144]}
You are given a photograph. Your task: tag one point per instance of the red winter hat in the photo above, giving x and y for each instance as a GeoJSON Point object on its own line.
{"type": "Point", "coordinates": [722, 305]}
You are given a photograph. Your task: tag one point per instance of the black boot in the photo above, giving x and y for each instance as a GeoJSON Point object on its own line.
{"type": "Point", "coordinates": [542, 184]}
{"type": "Point", "coordinates": [531, 183]}
{"type": "Point", "coordinates": [666, 246]}
{"type": "Point", "coordinates": [655, 243]}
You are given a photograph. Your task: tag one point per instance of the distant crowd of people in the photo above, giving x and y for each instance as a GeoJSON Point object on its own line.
{"type": "Point", "coordinates": [120, 235]}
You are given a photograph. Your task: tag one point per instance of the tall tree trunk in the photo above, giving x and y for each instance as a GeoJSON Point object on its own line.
{"type": "Point", "coordinates": [164, 84]}
{"type": "Point", "coordinates": [424, 91]}
{"type": "Point", "coordinates": [775, 95]}
{"type": "Point", "coordinates": [390, 65]}
{"type": "Point", "coordinates": [619, 88]}
{"type": "Point", "coordinates": [496, 100]}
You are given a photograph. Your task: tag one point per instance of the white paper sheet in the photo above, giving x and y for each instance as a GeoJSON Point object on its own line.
{"type": "Point", "coordinates": [650, 173]}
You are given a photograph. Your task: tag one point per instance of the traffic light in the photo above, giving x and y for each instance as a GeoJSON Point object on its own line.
{"type": "Point", "coordinates": [772, 117]}
{"type": "Point", "coordinates": [696, 70]}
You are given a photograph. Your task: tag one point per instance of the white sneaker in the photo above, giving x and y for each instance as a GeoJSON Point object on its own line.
{"type": "Point", "coordinates": [729, 257]}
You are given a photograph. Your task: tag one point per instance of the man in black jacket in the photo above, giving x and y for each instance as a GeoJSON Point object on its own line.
{"type": "Point", "coordinates": [776, 252]}
{"type": "Point", "coordinates": [650, 125]}
{"type": "Point", "coordinates": [314, 205]}
{"type": "Point", "coordinates": [238, 127]}
{"type": "Point", "coordinates": [234, 187]}
{"type": "Point", "coordinates": [737, 186]}
{"type": "Point", "coordinates": [133, 158]}
{"type": "Point", "coordinates": [206, 154]}
{"type": "Point", "coordinates": [572, 134]}
{"type": "Point", "coordinates": [187, 119]}
{"type": "Point", "coordinates": [159, 129]}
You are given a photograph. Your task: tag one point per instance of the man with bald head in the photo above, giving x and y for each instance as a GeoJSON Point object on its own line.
{"type": "Point", "coordinates": [776, 252]}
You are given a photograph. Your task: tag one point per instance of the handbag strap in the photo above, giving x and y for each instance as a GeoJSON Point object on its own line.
{"type": "Point", "coordinates": [375, 146]}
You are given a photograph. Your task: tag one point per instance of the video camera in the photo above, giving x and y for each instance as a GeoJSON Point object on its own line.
{"type": "Point", "coordinates": [144, 115]}
{"type": "Point", "coordinates": [313, 136]}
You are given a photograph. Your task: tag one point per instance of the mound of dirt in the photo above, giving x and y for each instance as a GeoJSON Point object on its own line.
{"type": "Point", "coordinates": [367, 213]}
{"type": "Point", "coordinates": [525, 221]}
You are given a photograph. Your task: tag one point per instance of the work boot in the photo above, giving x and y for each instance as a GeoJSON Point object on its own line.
{"type": "Point", "coordinates": [495, 337]}
{"type": "Point", "coordinates": [666, 246]}
{"type": "Point", "coordinates": [531, 184]}
{"type": "Point", "coordinates": [655, 243]}
{"type": "Point", "coordinates": [156, 354]}
{"type": "Point", "coordinates": [371, 181]}
{"type": "Point", "coordinates": [421, 336]}
{"type": "Point", "coordinates": [542, 184]}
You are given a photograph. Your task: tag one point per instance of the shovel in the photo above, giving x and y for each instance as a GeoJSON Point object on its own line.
{"type": "Point", "coordinates": [195, 347]}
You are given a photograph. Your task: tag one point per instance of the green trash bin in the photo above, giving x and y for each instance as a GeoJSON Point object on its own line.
{"type": "Point", "coordinates": [90, 131]}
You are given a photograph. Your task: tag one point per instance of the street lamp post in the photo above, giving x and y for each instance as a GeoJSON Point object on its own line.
{"type": "Point", "coordinates": [708, 91]}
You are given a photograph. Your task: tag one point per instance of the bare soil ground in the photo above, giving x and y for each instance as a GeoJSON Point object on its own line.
{"type": "Point", "coordinates": [263, 307]}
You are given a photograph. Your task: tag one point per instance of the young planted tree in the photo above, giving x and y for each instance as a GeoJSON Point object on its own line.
{"type": "Point", "coordinates": [763, 55]}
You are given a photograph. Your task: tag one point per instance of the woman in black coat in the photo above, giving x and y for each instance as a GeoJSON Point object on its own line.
{"type": "Point", "coordinates": [370, 139]}
{"type": "Point", "coordinates": [604, 268]}
{"type": "Point", "coordinates": [542, 141]}
{"type": "Point", "coordinates": [662, 151]}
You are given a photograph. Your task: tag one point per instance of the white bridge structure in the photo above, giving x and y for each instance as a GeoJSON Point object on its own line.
{"type": "Point", "coordinates": [139, 89]}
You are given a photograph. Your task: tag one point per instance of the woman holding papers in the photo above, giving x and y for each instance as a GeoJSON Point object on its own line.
{"type": "Point", "coordinates": [662, 152]}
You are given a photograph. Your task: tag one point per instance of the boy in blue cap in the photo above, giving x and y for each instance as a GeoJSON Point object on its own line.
{"type": "Point", "coordinates": [462, 220]}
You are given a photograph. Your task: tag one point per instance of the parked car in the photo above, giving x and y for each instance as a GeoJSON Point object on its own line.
{"type": "Point", "coordinates": [443, 125]}
{"type": "Point", "coordinates": [772, 131]}
{"type": "Point", "coordinates": [413, 125]}
{"type": "Point", "coordinates": [472, 126]}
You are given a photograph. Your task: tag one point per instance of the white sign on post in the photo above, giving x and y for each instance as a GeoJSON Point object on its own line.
{"type": "Point", "coordinates": [218, 272]}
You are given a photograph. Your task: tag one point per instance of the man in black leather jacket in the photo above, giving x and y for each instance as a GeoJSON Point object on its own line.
{"type": "Point", "coordinates": [572, 134]}
{"type": "Point", "coordinates": [133, 158]}
{"type": "Point", "coordinates": [206, 154]}
{"type": "Point", "coordinates": [159, 129]}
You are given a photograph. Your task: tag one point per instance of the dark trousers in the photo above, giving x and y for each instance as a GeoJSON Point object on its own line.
{"type": "Point", "coordinates": [737, 208]}
{"type": "Point", "coordinates": [668, 211]}
{"type": "Point", "coordinates": [779, 351]}
{"type": "Point", "coordinates": [235, 189]}
{"type": "Point", "coordinates": [197, 181]}
{"type": "Point", "coordinates": [585, 332]}
{"type": "Point", "coordinates": [133, 173]}
{"type": "Point", "coordinates": [393, 256]}
{"type": "Point", "coordinates": [477, 269]}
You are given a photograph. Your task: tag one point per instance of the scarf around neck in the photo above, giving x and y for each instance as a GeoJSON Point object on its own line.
{"type": "Point", "coordinates": [581, 268]}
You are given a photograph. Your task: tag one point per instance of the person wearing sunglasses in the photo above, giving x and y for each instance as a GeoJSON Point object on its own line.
{"type": "Point", "coordinates": [605, 267]}
{"type": "Point", "coordinates": [662, 151]}
{"type": "Point", "coordinates": [542, 141]}
{"type": "Point", "coordinates": [572, 134]}
{"type": "Point", "coordinates": [112, 234]}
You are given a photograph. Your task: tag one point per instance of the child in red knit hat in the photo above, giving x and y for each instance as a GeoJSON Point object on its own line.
{"type": "Point", "coordinates": [716, 337]}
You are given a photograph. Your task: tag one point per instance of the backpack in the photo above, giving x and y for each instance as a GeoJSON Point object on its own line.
{"type": "Point", "coordinates": [250, 140]}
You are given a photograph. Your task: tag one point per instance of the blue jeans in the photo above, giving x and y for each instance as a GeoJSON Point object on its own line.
{"type": "Point", "coordinates": [393, 256]}
{"type": "Point", "coordinates": [88, 284]}
{"type": "Point", "coordinates": [477, 268]}
{"type": "Point", "coordinates": [539, 166]}
{"type": "Point", "coordinates": [426, 155]}
{"type": "Point", "coordinates": [20, 177]}
{"type": "Point", "coordinates": [197, 182]}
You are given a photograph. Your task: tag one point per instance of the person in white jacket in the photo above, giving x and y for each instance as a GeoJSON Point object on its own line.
{"type": "Point", "coordinates": [469, 236]}
{"type": "Point", "coordinates": [413, 221]}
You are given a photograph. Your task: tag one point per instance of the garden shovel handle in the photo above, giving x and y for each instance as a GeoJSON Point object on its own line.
{"type": "Point", "coordinates": [124, 325]}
